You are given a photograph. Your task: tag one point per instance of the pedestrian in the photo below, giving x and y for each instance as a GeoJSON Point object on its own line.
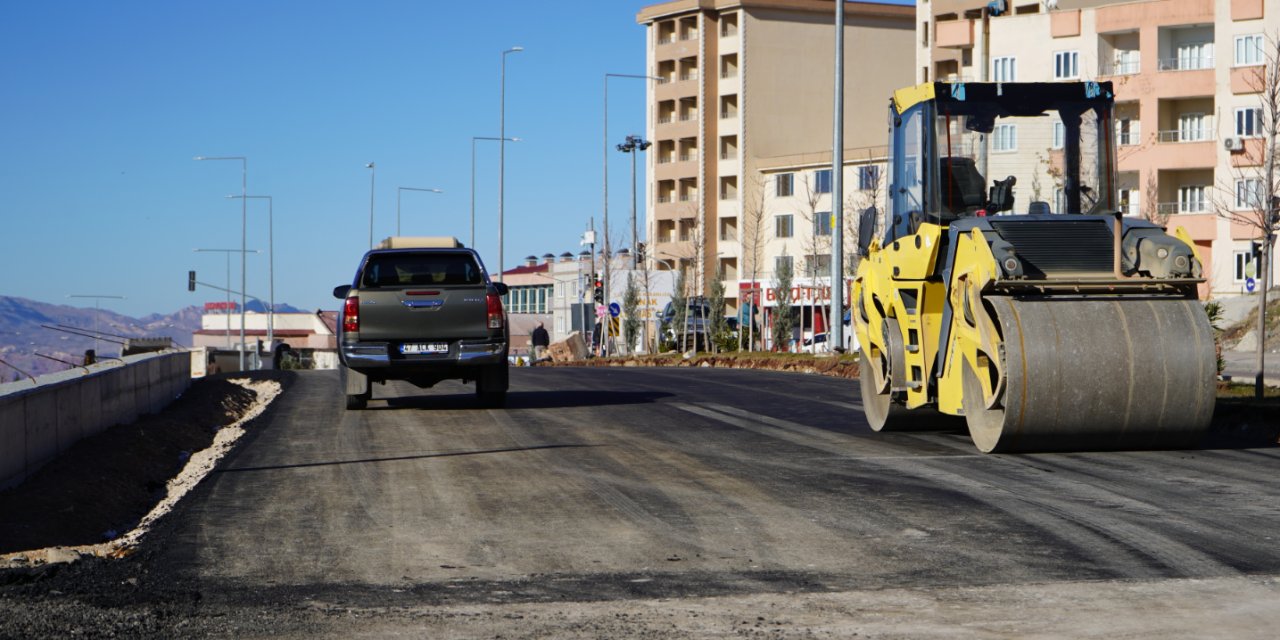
{"type": "Point", "coordinates": [540, 341]}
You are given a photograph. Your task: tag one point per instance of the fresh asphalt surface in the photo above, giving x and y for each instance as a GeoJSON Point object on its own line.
{"type": "Point", "coordinates": [612, 484]}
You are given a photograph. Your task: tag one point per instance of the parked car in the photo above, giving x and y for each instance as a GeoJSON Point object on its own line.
{"type": "Point", "coordinates": [697, 324]}
{"type": "Point", "coordinates": [422, 314]}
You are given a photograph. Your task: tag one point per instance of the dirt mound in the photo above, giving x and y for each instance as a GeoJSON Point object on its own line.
{"type": "Point", "coordinates": [104, 484]}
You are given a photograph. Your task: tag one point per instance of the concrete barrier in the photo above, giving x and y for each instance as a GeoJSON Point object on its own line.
{"type": "Point", "coordinates": [41, 419]}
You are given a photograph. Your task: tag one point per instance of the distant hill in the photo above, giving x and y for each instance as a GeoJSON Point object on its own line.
{"type": "Point", "coordinates": [22, 335]}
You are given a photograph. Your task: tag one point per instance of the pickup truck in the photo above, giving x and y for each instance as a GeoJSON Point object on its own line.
{"type": "Point", "coordinates": [422, 314]}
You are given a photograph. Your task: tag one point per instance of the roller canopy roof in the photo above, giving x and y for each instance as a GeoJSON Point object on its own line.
{"type": "Point", "coordinates": [1008, 98]}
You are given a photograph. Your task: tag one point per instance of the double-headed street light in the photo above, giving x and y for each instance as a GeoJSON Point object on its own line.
{"type": "Point", "coordinates": [502, 149]}
{"type": "Point", "coordinates": [244, 234]}
{"type": "Point", "coordinates": [271, 267]}
{"type": "Point", "coordinates": [634, 145]}
{"type": "Point", "coordinates": [400, 190]}
{"type": "Point", "coordinates": [473, 180]}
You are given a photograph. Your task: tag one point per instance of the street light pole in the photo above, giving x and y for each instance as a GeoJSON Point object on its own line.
{"type": "Point", "coordinates": [97, 311]}
{"type": "Point", "coordinates": [835, 324]}
{"type": "Point", "coordinates": [271, 268]}
{"type": "Point", "coordinates": [373, 173]}
{"type": "Point", "coordinates": [228, 289]}
{"type": "Point", "coordinates": [605, 172]}
{"type": "Point", "coordinates": [502, 150]}
{"type": "Point", "coordinates": [244, 235]}
{"type": "Point", "coordinates": [400, 190]}
{"type": "Point", "coordinates": [473, 181]}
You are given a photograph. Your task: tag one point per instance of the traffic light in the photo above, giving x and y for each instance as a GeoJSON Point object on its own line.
{"type": "Point", "coordinates": [1255, 250]}
{"type": "Point", "coordinates": [598, 295]}
{"type": "Point", "coordinates": [191, 281]}
{"type": "Point", "coordinates": [639, 253]}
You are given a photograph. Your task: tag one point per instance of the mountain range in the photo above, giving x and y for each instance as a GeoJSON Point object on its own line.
{"type": "Point", "coordinates": [39, 337]}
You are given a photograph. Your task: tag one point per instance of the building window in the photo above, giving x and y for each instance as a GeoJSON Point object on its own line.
{"type": "Point", "coordinates": [783, 226]}
{"type": "Point", "coordinates": [1249, 122]}
{"type": "Point", "coordinates": [1191, 199]}
{"type": "Point", "coordinates": [822, 223]}
{"type": "Point", "coordinates": [1243, 266]}
{"type": "Point", "coordinates": [1249, 50]}
{"type": "Point", "coordinates": [1059, 200]}
{"type": "Point", "coordinates": [784, 185]}
{"type": "Point", "coordinates": [818, 264]}
{"type": "Point", "coordinates": [822, 181]}
{"type": "Point", "coordinates": [868, 177]}
{"type": "Point", "coordinates": [1066, 65]}
{"type": "Point", "coordinates": [1059, 135]}
{"type": "Point", "coordinates": [1004, 69]}
{"type": "Point", "coordinates": [1194, 55]}
{"type": "Point", "coordinates": [1126, 131]}
{"type": "Point", "coordinates": [1248, 193]}
{"type": "Point", "coordinates": [1005, 137]}
{"type": "Point", "coordinates": [1191, 127]}
{"type": "Point", "coordinates": [782, 262]}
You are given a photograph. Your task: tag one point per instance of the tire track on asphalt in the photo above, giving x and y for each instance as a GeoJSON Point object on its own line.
{"type": "Point", "coordinates": [1087, 529]}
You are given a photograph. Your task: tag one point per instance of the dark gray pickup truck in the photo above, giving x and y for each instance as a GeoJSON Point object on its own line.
{"type": "Point", "coordinates": [423, 315]}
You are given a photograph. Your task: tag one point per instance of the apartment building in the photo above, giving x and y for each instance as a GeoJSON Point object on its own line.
{"type": "Point", "coordinates": [1188, 111]}
{"type": "Point", "coordinates": [741, 81]}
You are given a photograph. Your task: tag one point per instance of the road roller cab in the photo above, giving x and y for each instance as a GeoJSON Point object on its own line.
{"type": "Point", "coordinates": [1004, 284]}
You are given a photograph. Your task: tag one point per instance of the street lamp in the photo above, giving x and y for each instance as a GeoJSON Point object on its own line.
{"type": "Point", "coordinates": [244, 234]}
{"type": "Point", "coordinates": [605, 171]}
{"type": "Point", "coordinates": [400, 190]}
{"type": "Point", "coordinates": [373, 172]}
{"type": "Point", "coordinates": [473, 180]}
{"type": "Point", "coordinates": [634, 145]}
{"type": "Point", "coordinates": [97, 311]}
{"type": "Point", "coordinates": [242, 252]}
{"type": "Point", "coordinates": [502, 149]}
{"type": "Point", "coordinates": [271, 267]}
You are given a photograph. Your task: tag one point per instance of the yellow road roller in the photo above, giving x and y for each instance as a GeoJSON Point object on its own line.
{"type": "Point", "coordinates": [1010, 283]}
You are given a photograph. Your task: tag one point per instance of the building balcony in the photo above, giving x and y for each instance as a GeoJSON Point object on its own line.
{"type": "Point", "coordinates": [954, 34]}
{"type": "Point", "coordinates": [1185, 63]}
{"type": "Point", "coordinates": [1120, 69]}
{"type": "Point", "coordinates": [1187, 154]}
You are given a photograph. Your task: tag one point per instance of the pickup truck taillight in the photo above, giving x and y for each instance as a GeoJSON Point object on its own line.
{"type": "Point", "coordinates": [351, 315]}
{"type": "Point", "coordinates": [494, 304]}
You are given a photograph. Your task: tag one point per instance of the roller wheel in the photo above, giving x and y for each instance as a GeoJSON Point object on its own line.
{"type": "Point", "coordinates": [1121, 373]}
{"type": "Point", "coordinates": [877, 379]}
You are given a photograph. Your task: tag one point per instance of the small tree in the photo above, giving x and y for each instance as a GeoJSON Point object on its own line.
{"type": "Point", "coordinates": [630, 308]}
{"type": "Point", "coordinates": [753, 236]}
{"type": "Point", "coordinates": [717, 328]}
{"type": "Point", "coordinates": [679, 310]}
{"type": "Point", "coordinates": [783, 315]}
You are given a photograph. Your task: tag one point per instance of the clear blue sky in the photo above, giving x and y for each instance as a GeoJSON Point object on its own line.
{"type": "Point", "coordinates": [106, 103]}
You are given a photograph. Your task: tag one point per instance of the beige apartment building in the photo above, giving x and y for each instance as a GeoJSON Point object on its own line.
{"type": "Point", "coordinates": [745, 87]}
{"type": "Point", "coordinates": [1188, 111]}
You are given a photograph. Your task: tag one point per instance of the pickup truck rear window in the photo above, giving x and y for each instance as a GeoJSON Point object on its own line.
{"type": "Point", "coordinates": [398, 270]}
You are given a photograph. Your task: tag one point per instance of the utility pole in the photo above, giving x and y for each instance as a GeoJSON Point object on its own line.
{"type": "Point", "coordinates": [835, 325]}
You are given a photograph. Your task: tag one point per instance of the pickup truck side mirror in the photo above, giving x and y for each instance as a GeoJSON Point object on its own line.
{"type": "Point", "coordinates": [502, 288]}
{"type": "Point", "coordinates": [340, 292]}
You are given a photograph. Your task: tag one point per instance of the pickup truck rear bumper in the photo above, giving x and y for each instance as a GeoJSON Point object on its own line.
{"type": "Point", "coordinates": [378, 355]}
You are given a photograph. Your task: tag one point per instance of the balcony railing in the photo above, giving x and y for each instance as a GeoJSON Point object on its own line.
{"type": "Point", "coordinates": [663, 80]}
{"type": "Point", "coordinates": [1120, 68]}
{"type": "Point", "coordinates": [666, 39]}
{"type": "Point", "coordinates": [726, 75]}
{"type": "Point", "coordinates": [1188, 135]}
{"type": "Point", "coordinates": [687, 117]}
{"type": "Point", "coordinates": [729, 155]}
{"type": "Point", "coordinates": [1186, 63]}
{"type": "Point", "coordinates": [725, 115]}
{"type": "Point", "coordinates": [664, 199]}
{"type": "Point", "coordinates": [688, 76]}
{"type": "Point", "coordinates": [728, 195]}
{"type": "Point", "coordinates": [1170, 208]}
{"type": "Point", "coordinates": [664, 119]}
{"type": "Point", "coordinates": [665, 159]}
{"type": "Point", "coordinates": [729, 235]}
{"type": "Point", "coordinates": [686, 157]}
{"type": "Point", "coordinates": [728, 30]}
{"type": "Point", "coordinates": [685, 197]}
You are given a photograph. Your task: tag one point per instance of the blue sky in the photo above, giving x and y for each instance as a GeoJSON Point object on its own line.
{"type": "Point", "coordinates": [106, 103]}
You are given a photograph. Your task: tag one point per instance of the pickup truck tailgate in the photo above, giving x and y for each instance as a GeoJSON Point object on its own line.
{"type": "Point", "coordinates": [423, 313]}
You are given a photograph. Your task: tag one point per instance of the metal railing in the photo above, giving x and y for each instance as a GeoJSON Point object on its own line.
{"type": "Point", "coordinates": [685, 197]}
{"type": "Point", "coordinates": [1205, 134]}
{"type": "Point", "coordinates": [728, 31]}
{"type": "Point", "coordinates": [728, 195]}
{"type": "Point", "coordinates": [686, 157]}
{"type": "Point", "coordinates": [1120, 68]}
{"type": "Point", "coordinates": [688, 76]}
{"type": "Point", "coordinates": [726, 75]}
{"type": "Point", "coordinates": [687, 117]}
{"type": "Point", "coordinates": [666, 39]}
{"type": "Point", "coordinates": [1170, 208]}
{"type": "Point", "coordinates": [664, 199]}
{"type": "Point", "coordinates": [729, 155]}
{"type": "Point", "coordinates": [1186, 63]}
{"type": "Point", "coordinates": [725, 115]}
{"type": "Point", "coordinates": [665, 120]}
{"type": "Point", "coordinates": [730, 236]}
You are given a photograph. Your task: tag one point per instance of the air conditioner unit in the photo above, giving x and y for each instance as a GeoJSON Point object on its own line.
{"type": "Point", "coordinates": [1233, 144]}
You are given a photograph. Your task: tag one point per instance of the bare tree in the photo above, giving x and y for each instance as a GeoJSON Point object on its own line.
{"type": "Point", "coordinates": [753, 235]}
{"type": "Point", "coordinates": [1252, 199]}
{"type": "Point", "coordinates": [815, 244]}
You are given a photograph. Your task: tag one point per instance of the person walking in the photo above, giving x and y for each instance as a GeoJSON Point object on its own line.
{"type": "Point", "coordinates": [540, 341]}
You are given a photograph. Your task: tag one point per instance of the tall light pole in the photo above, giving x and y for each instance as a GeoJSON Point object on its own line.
{"type": "Point", "coordinates": [605, 172]}
{"type": "Point", "coordinates": [271, 267]}
{"type": "Point", "coordinates": [473, 181]}
{"type": "Point", "coordinates": [97, 311]}
{"type": "Point", "coordinates": [835, 326]}
{"type": "Point", "coordinates": [502, 150]}
{"type": "Point", "coordinates": [244, 235]}
{"type": "Point", "coordinates": [373, 172]}
{"type": "Point", "coordinates": [634, 145]}
{"type": "Point", "coordinates": [400, 190]}
{"type": "Point", "coordinates": [242, 252]}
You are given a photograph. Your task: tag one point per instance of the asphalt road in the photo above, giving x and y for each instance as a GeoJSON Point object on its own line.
{"type": "Point", "coordinates": [720, 493]}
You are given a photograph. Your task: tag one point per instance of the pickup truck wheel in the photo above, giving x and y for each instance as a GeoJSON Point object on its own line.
{"type": "Point", "coordinates": [491, 385]}
{"type": "Point", "coordinates": [357, 387]}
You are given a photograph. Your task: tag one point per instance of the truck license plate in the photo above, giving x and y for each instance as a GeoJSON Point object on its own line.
{"type": "Point", "coordinates": [424, 347]}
